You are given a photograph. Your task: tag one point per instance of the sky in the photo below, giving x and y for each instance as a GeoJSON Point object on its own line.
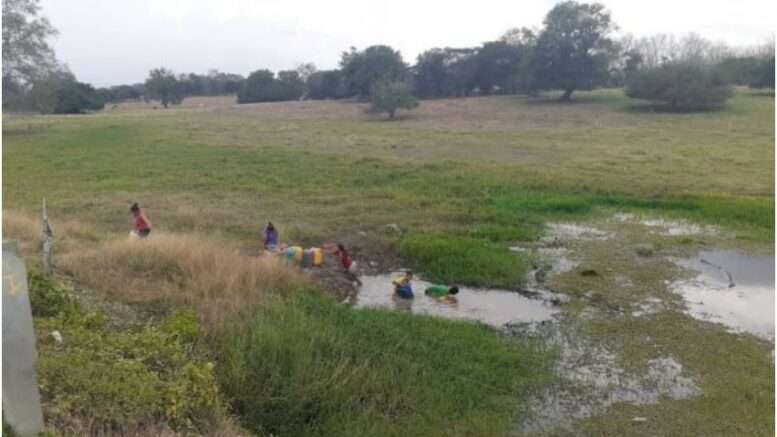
{"type": "Point", "coordinates": [111, 42]}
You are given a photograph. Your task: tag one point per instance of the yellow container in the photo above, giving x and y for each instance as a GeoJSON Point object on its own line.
{"type": "Point", "coordinates": [297, 253]}
{"type": "Point", "coordinates": [318, 256]}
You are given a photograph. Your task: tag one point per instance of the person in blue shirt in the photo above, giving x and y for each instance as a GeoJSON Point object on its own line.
{"type": "Point", "coordinates": [270, 238]}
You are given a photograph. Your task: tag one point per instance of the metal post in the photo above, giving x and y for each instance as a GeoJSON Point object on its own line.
{"type": "Point", "coordinates": [48, 240]}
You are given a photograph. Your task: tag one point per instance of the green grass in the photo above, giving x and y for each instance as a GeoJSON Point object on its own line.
{"type": "Point", "coordinates": [312, 367]}
{"type": "Point", "coordinates": [464, 260]}
{"type": "Point", "coordinates": [100, 379]}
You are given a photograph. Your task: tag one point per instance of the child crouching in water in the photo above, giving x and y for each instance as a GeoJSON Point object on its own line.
{"type": "Point", "coordinates": [402, 286]}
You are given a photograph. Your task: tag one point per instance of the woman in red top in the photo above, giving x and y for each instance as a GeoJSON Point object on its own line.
{"type": "Point", "coordinates": [142, 224]}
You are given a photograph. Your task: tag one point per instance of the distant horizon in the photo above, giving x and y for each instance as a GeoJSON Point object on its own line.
{"type": "Point", "coordinates": [240, 36]}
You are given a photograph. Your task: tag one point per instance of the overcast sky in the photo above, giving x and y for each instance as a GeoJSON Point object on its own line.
{"type": "Point", "coordinates": [109, 42]}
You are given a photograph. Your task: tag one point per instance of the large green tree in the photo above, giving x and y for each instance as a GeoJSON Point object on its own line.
{"type": "Point", "coordinates": [363, 69]}
{"type": "Point", "coordinates": [27, 55]}
{"type": "Point", "coordinates": [162, 85]}
{"type": "Point", "coordinates": [573, 50]}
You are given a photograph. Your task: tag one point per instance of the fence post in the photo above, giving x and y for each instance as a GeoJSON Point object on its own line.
{"type": "Point", "coordinates": [48, 240]}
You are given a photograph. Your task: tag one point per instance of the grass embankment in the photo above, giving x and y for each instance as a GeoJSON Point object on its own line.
{"type": "Point", "coordinates": [312, 367]}
{"type": "Point", "coordinates": [288, 359]}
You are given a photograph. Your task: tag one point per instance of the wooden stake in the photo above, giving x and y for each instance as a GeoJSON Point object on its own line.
{"type": "Point", "coordinates": [48, 240]}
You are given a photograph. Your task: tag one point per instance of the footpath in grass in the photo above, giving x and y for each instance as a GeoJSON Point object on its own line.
{"type": "Point", "coordinates": [309, 366]}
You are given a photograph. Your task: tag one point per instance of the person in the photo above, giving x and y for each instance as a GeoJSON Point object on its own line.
{"type": "Point", "coordinates": [270, 238]}
{"type": "Point", "coordinates": [142, 224]}
{"type": "Point", "coordinates": [441, 291]}
{"type": "Point", "coordinates": [402, 285]}
{"type": "Point", "coordinates": [349, 265]}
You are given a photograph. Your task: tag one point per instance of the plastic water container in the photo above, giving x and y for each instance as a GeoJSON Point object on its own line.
{"type": "Point", "coordinates": [318, 256]}
{"type": "Point", "coordinates": [307, 258]}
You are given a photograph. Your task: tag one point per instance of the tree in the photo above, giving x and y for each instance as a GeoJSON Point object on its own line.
{"type": "Point", "coordinates": [495, 66]}
{"type": "Point", "coordinates": [681, 85]}
{"type": "Point", "coordinates": [262, 86]}
{"type": "Point", "coordinates": [293, 87]}
{"type": "Point", "coordinates": [763, 73]}
{"type": "Point", "coordinates": [327, 84]}
{"type": "Point", "coordinates": [445, 72]}
{"type": "Point", "coordinates": [390, 96]}
{"type": "Point", "coordinates": [162, 85]}
{"type": "Point", "coordinates": [573, 50]}
{"type": "Point", "coordinates": [27, 55]}
{"type": "Point", "coordinates": [362, 70]}
{"type": "Point", "coordinates": [61, 93]}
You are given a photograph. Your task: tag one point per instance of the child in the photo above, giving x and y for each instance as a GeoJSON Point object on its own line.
{"type": "Point", "coordinates": [438, 291]}
{"type": "Point", "coordinates": [142, 224]}
{"type": "Point", "coordinates": [402, 286]}
{"type": "Point", "coordinates": [348, 264]}
{"type": "Point", "coordinates": [270, 238]}
{"type": "Point", "coordinates": [442, 293]}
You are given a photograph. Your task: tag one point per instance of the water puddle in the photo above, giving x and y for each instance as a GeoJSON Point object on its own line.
{"type": "Point", "coordinates": [731, 288]}
{"type": "Point", "coordinates": [590, 380]}
{"type": "Point", "coordinates": [493, 307]}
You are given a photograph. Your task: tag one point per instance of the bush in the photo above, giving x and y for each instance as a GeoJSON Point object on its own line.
{"type": "Point", "coordinates": [123, 380]}
{"type": "Point", "coordinates": [262, 86]}
{"type": "Point", "coordinates": [390, 96]}
{"type": "Point", "coordinates": [464, 260]}
{"type": "Point", "coordinates": [308, 366]}
{"type": "Point", "coordinates": [48, 299]}
{"type": "Point", "coordinates": [687, 86]}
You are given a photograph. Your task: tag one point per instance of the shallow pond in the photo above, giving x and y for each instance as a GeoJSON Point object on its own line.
{"type": "Point", "coordinates": [493, 307]}
{"type": "Point", "coordinates": [731, 288]}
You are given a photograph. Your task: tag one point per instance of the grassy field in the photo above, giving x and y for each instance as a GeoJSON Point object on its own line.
{"type": "Point", "coordinates": [462, 179]}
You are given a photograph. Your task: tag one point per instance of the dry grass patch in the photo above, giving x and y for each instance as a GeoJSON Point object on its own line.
{"type": "Point", "coordinates": [197, 272]}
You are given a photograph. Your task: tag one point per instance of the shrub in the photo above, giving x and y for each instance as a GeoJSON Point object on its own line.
{"type": "Point", "coordinates": [464, 260]}
{"type": "Point", "coordinates": [308, 366]}
{"type": "Point", "coordinates": [688, 86]}
{"type": "Point", "coordinates": [262, 86]}
{"type": "Point", "coordinates": [390, 96]}
{"type": "Point", "coordinates": [120, 380]}
{"type": "Point", "coordinates": [47, 298]}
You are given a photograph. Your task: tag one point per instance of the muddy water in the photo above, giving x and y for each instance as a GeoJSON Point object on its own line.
{"type": "Point", "coordinates": [590, 380]}
{"type": "Point", "coordinates": [731, 288]}
{"type": "Point", "coordinates": [493, 307]}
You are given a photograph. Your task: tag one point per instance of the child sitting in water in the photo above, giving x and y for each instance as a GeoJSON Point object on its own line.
{"type": "Point", "coordinates": [402, 286]}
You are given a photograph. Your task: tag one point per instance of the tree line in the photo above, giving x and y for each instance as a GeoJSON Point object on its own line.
{"type": "Point", "coordinates": [574, 49]}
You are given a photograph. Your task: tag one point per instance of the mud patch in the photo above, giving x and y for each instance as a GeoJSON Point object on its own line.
{"type": "Point", "coordinates": [731, 288]}
{"type": "Point", "coordinates": [668, 228]}
{"type": "Point", "coordinates": [492, 307]}
{"type": "Point", "coordinates": [570, 231]}
{"type": "Point", "coordinates": [590, 380]}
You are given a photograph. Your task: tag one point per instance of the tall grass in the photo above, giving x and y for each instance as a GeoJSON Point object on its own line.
{"type": "Point", "coordinates": [183, 270]}
{"type": "Point", "coordinates": [307, 366]}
